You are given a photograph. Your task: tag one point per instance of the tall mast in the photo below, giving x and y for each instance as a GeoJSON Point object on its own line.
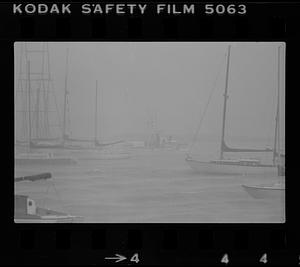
{"type": "Point", "coordinates": [96, 111]}
{"type": "Point", "coordinates": [29, 102]}
{"type": "Point", "coordinates": [37, 107]}
{"type": "Point", "coordinates": [276, 135]}
{"type": "Point", "coordinates": [225, 102]}
{"type": "Point", "coordinates": [65, 98]}
{"type": "Point", "coordinates": [46, 92]}
{"type": "Point", "coordinates": [37, 115]}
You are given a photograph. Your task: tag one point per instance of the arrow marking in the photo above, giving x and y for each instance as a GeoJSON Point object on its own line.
{"type": "Point", "coordinates": [117, 258]}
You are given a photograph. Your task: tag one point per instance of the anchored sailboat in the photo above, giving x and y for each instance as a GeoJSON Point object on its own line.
{"type": "Point", "coordinates": [68, 141]}
{"type": "Point", "coordinates": [97, 152]}
{"type": "Point", "coordinates": [96, 142]}
{"type": "Point", "coordinates": [234, 166]}
{"type": "Point", "coordinates": [32, 156]}
{"type": "Point", "coordinates": [63, 141]}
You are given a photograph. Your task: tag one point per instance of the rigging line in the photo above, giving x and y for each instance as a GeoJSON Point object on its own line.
{"type": "Point", "coordinates": [60, 202]}
{"type": "Point", "coordinates": [46, 194]}
{"type": "Point", "coordinates": [206, 106]}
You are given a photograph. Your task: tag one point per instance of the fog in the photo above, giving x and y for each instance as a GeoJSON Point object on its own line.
{"type": "Point", "coordinates": [166, 100]}
{"type": "Point", "coordinates": [165, 86]}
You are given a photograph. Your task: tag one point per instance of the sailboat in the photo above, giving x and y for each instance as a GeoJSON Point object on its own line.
{"type": "Point", "coordinates": [26, 210]}
{"type": "Point", "coordinates": [276, 189]}
{"type": "Point", "coordinates": [223, 166]}
{"type": "Point", "coordinates": [97, 144]}
{"type": "Point", "coordinates": [72, 144]}
{"type": "Point", "coordinates": [33, 155]}
{"type": "Point", "coordinates": [61, 142]}
{"type": "Point", "coordinates": [97, 152]}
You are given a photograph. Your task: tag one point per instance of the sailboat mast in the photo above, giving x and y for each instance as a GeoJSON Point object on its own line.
{"type": "Point", "coordinates": [96, 111]}
{"type": "Point", "coordinates": [276, 135]}
{"type": "Point", "coordinates": [29, 101]}
{"type": "Point", "coordinates": [65, 98]}
{"type": "Point", "coordinates": [37, 109]}
{"type": "Point", "coordinates": [225, 102]}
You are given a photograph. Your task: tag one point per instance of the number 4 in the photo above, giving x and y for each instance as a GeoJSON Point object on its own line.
{"type": "Point", "coordinates": [263, 258]}
{"type": "Point", "coordinates": [225, 259]}
{"type": "Point", "coordinates": [135, 258]}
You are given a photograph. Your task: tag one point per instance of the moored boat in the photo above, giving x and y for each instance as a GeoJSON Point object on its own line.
{"type": "Point", "coordinates": [26, 210]}
{"type": "Point", "coordinates": [237, 166]}
{"type": "Point", "coordinates": [275, 190]}
{"type": "Point", "coordinates": [36, 148]}
{"type": "Point", "coordinates": [230, 167]}
{"type": "Point", "coordinates": [43, 159]}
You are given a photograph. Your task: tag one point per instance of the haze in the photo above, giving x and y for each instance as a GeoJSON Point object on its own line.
{"type": "Point", "coordinates": [168, 83]}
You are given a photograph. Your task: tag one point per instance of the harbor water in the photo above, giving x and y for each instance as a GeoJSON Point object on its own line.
{"type": "Point", "coordinates": [150, 186]}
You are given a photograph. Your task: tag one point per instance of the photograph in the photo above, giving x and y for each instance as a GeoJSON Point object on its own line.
{"type": "Point", "coordinates": [149, 132]}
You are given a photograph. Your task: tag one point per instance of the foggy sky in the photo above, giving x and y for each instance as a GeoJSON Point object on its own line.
{"type": "Point", "coordinates": [170, 81]}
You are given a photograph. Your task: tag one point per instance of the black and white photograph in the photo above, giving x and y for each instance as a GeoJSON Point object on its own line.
{"type": "Point", "coordinates": [149, 132]}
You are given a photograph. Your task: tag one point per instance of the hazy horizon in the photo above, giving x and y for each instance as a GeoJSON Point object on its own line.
{"type": "Point", "coordinates": [166, 85]}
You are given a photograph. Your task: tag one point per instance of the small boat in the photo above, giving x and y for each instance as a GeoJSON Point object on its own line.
{"type": "Point", "coordinates": [275, 190]}
{"type": "Point", "coordinates": [26, 210]}
{"type": "Point", "coordinates": [270, 191]}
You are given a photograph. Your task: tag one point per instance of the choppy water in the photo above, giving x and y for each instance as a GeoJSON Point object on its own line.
{"type": "Point", "coordinates": [150, 186]}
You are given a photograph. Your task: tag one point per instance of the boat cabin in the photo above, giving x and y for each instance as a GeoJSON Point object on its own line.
{"type": "Point", "coordinates": [24, 207]}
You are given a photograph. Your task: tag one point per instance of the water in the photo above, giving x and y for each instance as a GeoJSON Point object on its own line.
{"type": "Point", "coordinates": [155, 186]}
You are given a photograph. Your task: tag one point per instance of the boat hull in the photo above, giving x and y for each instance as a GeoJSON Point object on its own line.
{"type": "Point", "coordinates": [91, 155]}
{"type": "Point", "coordinates": [45, 216]}
{"type": "Point", "coordinates": [213, 168]}
{"type": "Point", "coordinates": [263, 192]}
{"type": "Point", "coordinates": [62, 219]}
{"type": "Point", "coordinates": [45, 161]}
{"type": "Point", "coordinates": [57, 219]}
{"type": "Point", "coordinates": [104, 157]}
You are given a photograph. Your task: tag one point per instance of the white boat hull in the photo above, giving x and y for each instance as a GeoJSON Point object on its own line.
{"type": "Point", "coordinates": [213, 168]}
{"type": "Point", "coordinates": [42, 215]}
{"type": "Point", "coordinates": [103, 157]}
{"type": "Point", "coordinates": [44, 161]}
{"type": "Point", "coordinates": [92, 155]}
{"type": "Point", "coordinates": [265, 192]}
{"type": "Point", "coordinates": [50, 219]}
